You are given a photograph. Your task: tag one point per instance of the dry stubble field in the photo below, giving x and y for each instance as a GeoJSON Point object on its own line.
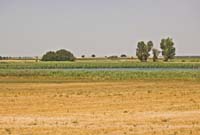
{"type": "Point", "coordinates": [98, 108]}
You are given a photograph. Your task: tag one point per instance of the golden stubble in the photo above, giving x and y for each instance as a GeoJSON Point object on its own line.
{"type": "Point", "coordinates": [131, 107]}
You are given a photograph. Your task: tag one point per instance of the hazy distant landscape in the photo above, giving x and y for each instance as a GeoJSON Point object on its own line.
{"type": "Point", "coordinates": [100, 96]}
{"type": "Point", "coordinates": [99, 67]}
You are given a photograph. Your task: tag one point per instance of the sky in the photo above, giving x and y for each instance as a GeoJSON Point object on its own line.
{"type": "Point", "coordinates": [101, 27]}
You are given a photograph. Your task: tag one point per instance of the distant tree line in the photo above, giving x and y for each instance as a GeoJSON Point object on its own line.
{"type": "Point", "coordinates": [142, 52]}
{"type": "Point", "coordinates": [167, 49]}
{"type": "Point", "coordinates": [186, 57]}
{"type": "Point", "coordinates": [16, 58]}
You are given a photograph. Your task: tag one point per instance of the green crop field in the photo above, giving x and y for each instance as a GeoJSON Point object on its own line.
{"type": "Point", "coordinates": [28, 75]}
{"type": "Point", "coordinates": [97, 64]}
{"type": "Point", "coordinates": [55, 71]}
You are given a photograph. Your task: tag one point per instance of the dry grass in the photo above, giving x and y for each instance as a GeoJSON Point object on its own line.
{"type": "Point", "coordinates": [20, 61]}
{"type": "Point", "coordinates": [111, 108]}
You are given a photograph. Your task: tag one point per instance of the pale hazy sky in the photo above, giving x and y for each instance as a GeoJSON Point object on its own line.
{"type": "Point", "coordinates": [102, 27]}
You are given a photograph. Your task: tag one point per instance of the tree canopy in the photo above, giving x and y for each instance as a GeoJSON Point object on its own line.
{"type": "Point", "coordinates": [60, 55]}
{"type": "Point", "coordinates": [143, 50]}
{"type": "Point", "coordinates": [168, 49]}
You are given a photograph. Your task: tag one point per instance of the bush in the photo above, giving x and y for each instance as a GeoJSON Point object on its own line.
{"type": "Point", "coordinates": [93, 55]}
{"type": "Point", "coordinates": [113, 57]}
{"type": "Point", "coordinates": [123, 56]}
{"type": "Point", "coordinates": [60, 55]}
{"type": "Point", "coordinates": [182, 60]}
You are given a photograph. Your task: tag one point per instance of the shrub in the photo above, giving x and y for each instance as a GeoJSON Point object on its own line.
{"type": "Point", "coordinates": [156, 53]}
{"type": "Point", "coordinates": [113, 57]}
{"type": "Point", "coordinates": [123, 56]}
{"type": "Point", "coordinates": [93, 55]}
{"type": "Point", "coordinates": [182, 60]}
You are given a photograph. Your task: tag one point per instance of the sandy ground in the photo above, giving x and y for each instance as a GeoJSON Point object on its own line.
{"type": "Point", "coordinates": [110, 108]}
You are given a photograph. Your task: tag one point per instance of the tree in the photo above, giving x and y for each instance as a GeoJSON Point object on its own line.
{"type": "Point", "coordinates": [93, 55]}
{"type": "Point", "coordinates": [156, 53]}
{"type": "Point", "coordinates": [49, 56]}
{"type": "Point", "coordinates": [60, 55]}
{"type": "Point", "coordinates": [168, 49]}
{"type": "Point", "coordinates": [64, 55]}
{"type": "Point", "coordinates": [143, 50]}
{"type": "Point", "coordinates": [83, 56]}
{"type": "Point", "coordinates": [1, 58]}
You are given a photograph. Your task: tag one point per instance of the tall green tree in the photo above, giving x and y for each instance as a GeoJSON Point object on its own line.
{"type": "Point", "coordinates": [143, 50]}
{"type": "Point", "coordinates": [156, 53]}
{"type": "Point", "coordinates": [168, 49]}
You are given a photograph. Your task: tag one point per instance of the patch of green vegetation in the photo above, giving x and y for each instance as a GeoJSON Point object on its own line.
{"type": "Point", "coordinates": [83, 75]}
{"type": "Point", "coordinates": [97, 64]}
